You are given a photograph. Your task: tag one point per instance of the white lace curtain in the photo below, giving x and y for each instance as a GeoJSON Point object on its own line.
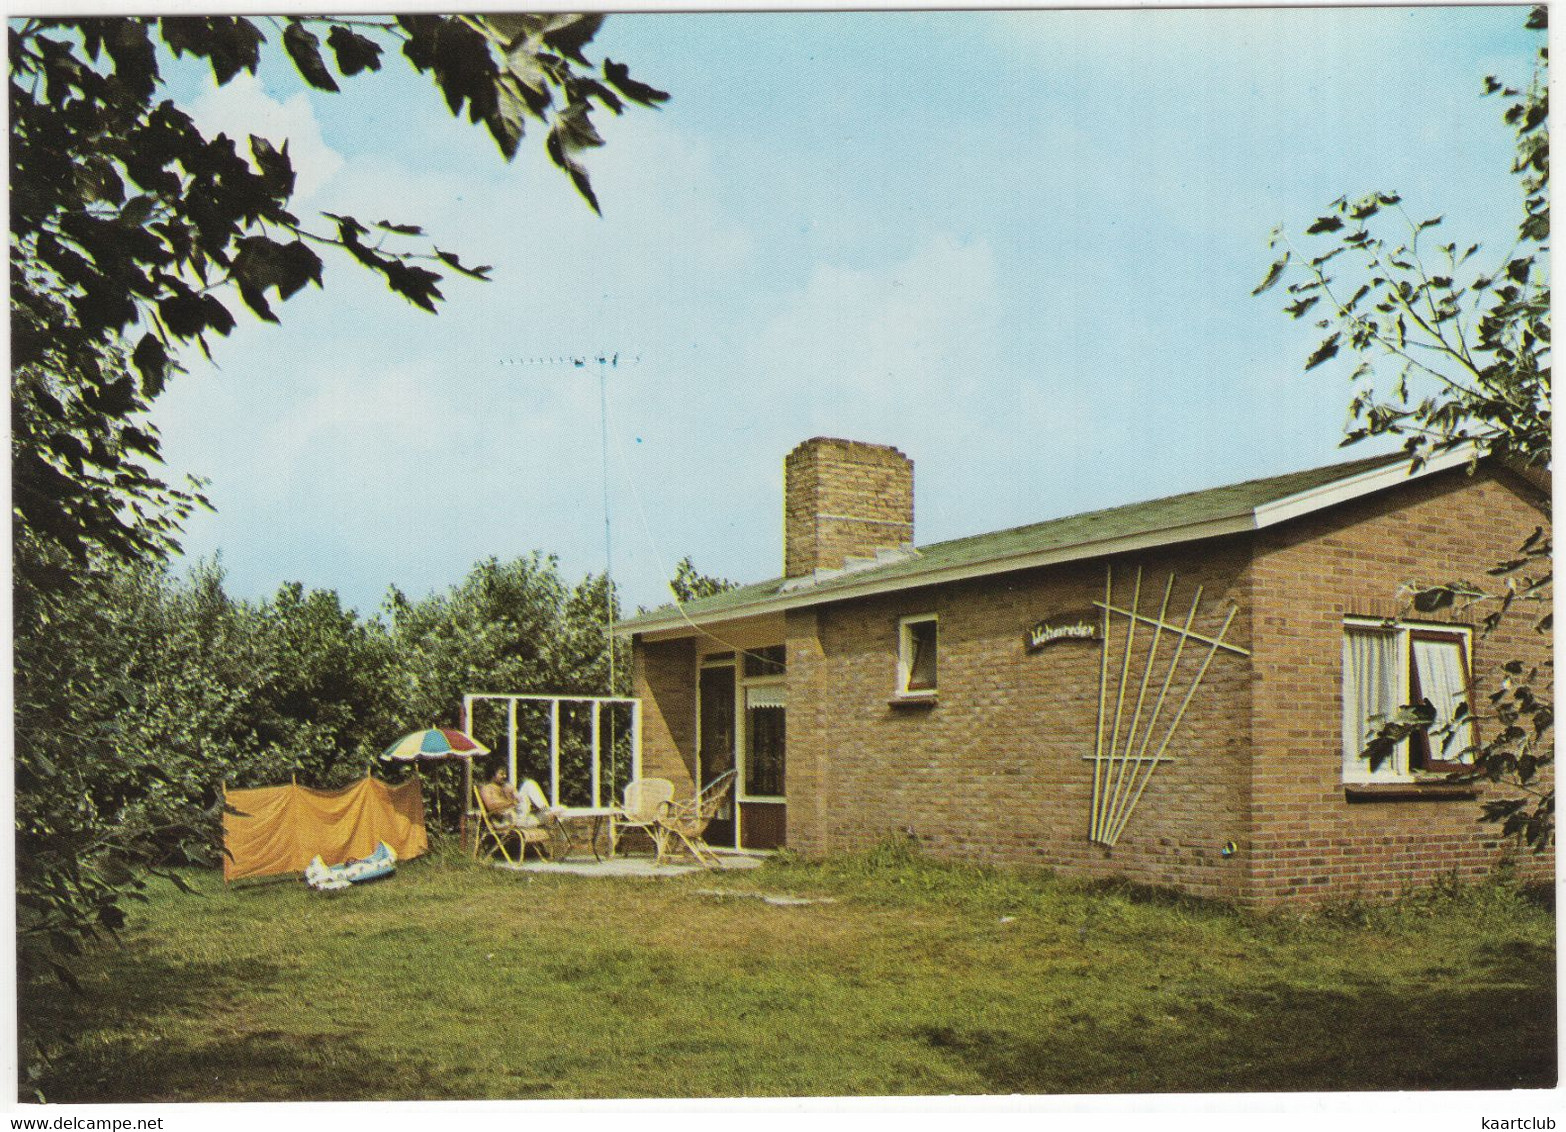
{"type": "Point", "coordinates": [1439, 669]}
{"type": "Point", "coordinates": [1370, 693]}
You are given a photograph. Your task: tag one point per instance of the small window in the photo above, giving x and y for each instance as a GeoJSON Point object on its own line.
{"type": "Point", "coordinates": [1386, 666]}
{"type": "Point", "coordinates": [769, 661]}
{"type": "Point", "coordinates": [916, 656]}
{"type": "Point", "coordinates": [766, 746]}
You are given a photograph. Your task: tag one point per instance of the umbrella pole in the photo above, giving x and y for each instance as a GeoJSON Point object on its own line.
{"type": "Point", "coordinates": [464, 723]}
{"type": "Point", "coordinates": [467, 792]}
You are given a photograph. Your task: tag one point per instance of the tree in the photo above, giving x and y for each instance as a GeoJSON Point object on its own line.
{"type": "Point", "coordinates": [1468, 344]}
{"type": "Point", "coordinates": [689, 584]}
{"type": "Point", "coordinates": [149, 694]}
{"type": "Point", "coordinates": [514, 626]}
{"type": "Point", "coordinates": [132, 236]}
{"type": "Point", "coordinates": [128, 223]}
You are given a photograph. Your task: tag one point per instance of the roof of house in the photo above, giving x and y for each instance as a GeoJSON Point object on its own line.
{"type": "Point", "coordinates": [1137, 526]}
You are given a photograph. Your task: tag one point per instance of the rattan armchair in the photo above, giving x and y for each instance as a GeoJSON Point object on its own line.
{"type": "Point", "coordinates": [644, 798]}
{"type": "Point", "coordinates": [684, 823]}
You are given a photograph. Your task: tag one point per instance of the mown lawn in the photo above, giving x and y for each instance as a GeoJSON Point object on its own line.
{"type": "Point", "coordinates": [455, 981]}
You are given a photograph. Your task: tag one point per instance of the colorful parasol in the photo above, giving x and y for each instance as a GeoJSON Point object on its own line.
{"type": "Point", "coordinates": [435, 743]}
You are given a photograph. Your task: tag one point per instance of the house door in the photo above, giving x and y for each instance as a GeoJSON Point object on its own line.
{"type": "Point", "coordinates": [715, 745]}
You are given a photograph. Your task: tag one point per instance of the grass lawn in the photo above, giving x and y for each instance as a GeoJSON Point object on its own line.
{"type": "Point", "coordinates": [455, 981]}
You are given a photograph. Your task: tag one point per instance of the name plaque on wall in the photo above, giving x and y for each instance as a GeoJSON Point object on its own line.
{"type": "Point", "coordinates": [1047, 633]}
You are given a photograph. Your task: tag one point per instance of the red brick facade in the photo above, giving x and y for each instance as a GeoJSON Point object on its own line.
{"type": "Point", "coordinates": [999, 767]}
{"type": "Point", "coordinates": [1306, 838]}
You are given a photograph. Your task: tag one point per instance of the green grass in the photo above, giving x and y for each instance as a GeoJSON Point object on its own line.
{"type": "Point", "coordinates": [454, 981]}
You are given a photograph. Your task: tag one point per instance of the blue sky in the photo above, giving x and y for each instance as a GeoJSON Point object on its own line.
{"type": "Point", "coordinates": [1018, 245]}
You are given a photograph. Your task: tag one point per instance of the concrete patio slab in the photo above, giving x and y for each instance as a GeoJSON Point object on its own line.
{"type": "Point", "coordinates": [630, 866]}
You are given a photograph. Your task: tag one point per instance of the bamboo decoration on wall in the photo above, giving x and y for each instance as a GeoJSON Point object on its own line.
{"type": "Point", "coordinates": [1122, 766]}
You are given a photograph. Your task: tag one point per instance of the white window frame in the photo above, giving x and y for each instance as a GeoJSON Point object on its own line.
{"type": "Point", "coordinates": [743, 714]}
{"type": "Point", "coordinates": [1397, 767]}
{"type": "Point", "coordinates": [905, 643]}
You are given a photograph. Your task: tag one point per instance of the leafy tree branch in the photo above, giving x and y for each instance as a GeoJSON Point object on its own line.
{"type": "Point", "coordinates": [1468, 347]}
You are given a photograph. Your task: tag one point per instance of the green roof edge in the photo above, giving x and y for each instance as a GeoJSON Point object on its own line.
{"type": "Point", "coordinates": [1182, 509]}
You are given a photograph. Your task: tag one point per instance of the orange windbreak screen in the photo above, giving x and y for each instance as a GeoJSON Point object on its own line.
{"type": "Point", "coordinates": [283, 827]}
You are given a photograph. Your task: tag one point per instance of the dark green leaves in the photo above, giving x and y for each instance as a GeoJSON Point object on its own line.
{"type": "Point", "coordinates": [264, 264]}
{"type": "Point", "coordinates": [277, 171]}
{"type": "Point", "coordinates": [354, 52]}
{"type": "Point", "coordinates": [229, 43]}
{"type": "Point", "coordinates": [1274, 273]}
{"type": "Point", "coordinates": [450, 260]}
{"type": "Point", "coordinates": [568, 34]}
{"type": "Point", "coordinates": [507, 121]}
{"type": "Point", "coordinates": [572, 132]}
{"type": "Point", "coordinates": [416, 284]}
{"type": "Point", "coordinates": [1325, 224]}
{"type": "Point", "coordinates": [305, 50]}
{"type": "Point", "coordinates": [1407, 721]}
{"type": "Point", "coordinates": [618, 76]}
{"type": "Point", "coordinates": [152, 360]}
{"type": "Point", "coordinates": [1432, 599]}
{"type": "Point", "coordinates": [1328, 349]}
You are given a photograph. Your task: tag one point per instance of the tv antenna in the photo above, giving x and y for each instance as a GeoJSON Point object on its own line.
{"type": "Point", "coordinates": [605, 362]}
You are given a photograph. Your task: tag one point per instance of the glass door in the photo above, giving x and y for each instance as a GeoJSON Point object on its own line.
{"type": "Point", "coordinates": [715, 742]}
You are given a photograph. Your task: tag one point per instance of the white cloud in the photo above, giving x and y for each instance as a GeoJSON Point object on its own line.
{"type": "Point", "coordinates": [916, 333]}
{"type": "Point", "coordinates": [241, 107]}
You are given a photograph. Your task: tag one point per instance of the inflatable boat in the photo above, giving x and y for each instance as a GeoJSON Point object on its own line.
{"type": "Point", "coordinates": [324, 877]}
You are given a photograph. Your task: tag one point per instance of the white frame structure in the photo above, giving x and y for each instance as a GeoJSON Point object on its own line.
{"type": "Point", "coordinates": [554, 702]}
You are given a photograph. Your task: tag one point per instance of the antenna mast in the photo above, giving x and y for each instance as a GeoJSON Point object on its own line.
{"type": "Point", "coordinates": [605, 362]}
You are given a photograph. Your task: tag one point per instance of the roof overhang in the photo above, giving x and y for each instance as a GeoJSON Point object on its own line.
{"type": "Point", "coordinates": [1285, 509]}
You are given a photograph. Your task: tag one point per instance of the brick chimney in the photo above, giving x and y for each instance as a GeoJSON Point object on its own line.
{"type": "Point", "coordinates": [842, 499]}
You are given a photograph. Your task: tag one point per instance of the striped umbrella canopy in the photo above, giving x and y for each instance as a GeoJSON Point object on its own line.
{"type": "Point", "coordinates": [435, 743]}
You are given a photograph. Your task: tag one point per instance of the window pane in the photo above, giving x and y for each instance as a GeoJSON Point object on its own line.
{"type": "Point", "coordinates": [921, 659]}
{"type": "Point", "coordinates": [1440, 676]}
{"type": "Point", "coordinates": [764, 753]}
{"type": "Point", "coordinates": [1370, 694]}
{"type": "Point", "coordinates": [769, 661]}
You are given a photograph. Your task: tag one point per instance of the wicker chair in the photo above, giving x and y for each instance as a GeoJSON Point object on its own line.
{"type": "Point", "coordinates": [495, 832]}
{"type": "Point", "coordinates": [684, 823]}
{"type": "Point", "coordinates": [644, 797]}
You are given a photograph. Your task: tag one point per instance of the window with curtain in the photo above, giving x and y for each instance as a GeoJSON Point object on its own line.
{"type": "Point", "coordinates": [1388, 666]}
{"type": "Point", "coordinates": [1439, 673]}
{"type": "Point", "coordinates": [916, 655]}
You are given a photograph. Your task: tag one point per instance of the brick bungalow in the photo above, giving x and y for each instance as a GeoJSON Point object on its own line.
{"type": "Point", "coordinates": [1171, 691]}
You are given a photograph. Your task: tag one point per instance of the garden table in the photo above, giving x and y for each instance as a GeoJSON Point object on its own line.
{"type": "Point", "coordinates": [578, 815]}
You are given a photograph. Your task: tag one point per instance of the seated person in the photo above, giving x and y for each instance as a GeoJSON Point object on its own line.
{"type": "Point", "coordinates": [508, 807]}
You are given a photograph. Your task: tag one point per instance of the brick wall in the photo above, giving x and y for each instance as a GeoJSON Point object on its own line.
{"type": "Point", "coordinates": [1308, 840]}
{"type": "Point", "coordinates": [999, 768]}
{"type": "Point", "coordinates": [844, 498]}
{"type": "Point", "coordinates": [663, 676]}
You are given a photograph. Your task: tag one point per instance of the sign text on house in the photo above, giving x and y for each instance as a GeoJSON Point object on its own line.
{"type": "Point", "coordinates": [1049, 633]}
